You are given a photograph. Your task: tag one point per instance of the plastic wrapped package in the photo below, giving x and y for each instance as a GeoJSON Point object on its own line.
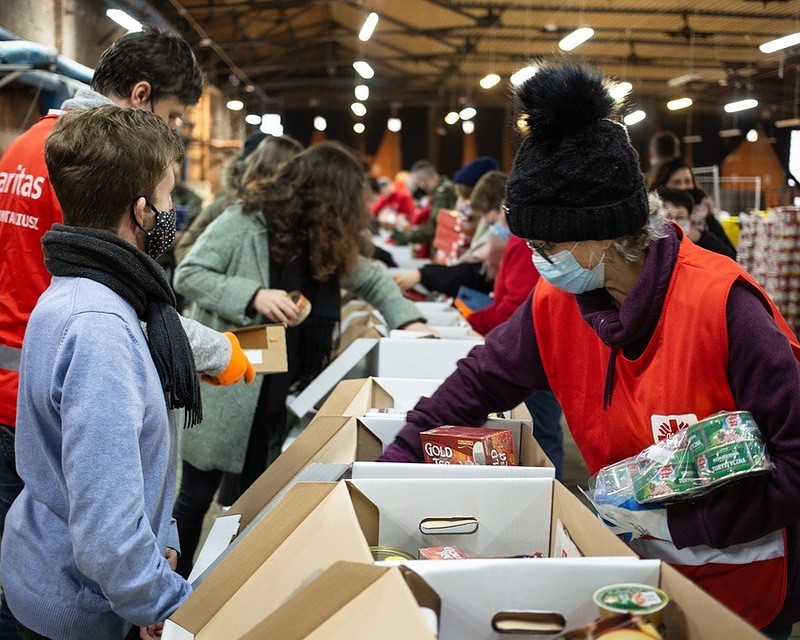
{"type": "Point", "coordinates": [695, 460]}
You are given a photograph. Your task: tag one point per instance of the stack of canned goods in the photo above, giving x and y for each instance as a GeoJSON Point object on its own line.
{"type": "Point", "coordinates": [715, 450]}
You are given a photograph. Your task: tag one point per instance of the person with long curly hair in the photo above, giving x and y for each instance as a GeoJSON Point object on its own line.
{"type": "Point", "coordinates": [304, 229]}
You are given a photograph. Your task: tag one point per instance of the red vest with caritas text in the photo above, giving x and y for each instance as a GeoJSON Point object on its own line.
{"type": "Point", "coordinates": [28, 208]}
{"type": "Point", "coordinates": [680, 377]}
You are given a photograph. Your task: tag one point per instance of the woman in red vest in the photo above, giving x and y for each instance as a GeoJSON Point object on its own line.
{"type": "Point", "coordinates": [633, 326]}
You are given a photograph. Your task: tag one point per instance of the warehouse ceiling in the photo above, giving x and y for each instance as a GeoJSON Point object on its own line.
{"type": "Point", "coordinates": [299, 53]}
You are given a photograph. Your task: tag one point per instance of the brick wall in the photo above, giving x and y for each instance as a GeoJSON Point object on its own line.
{"type": "Point", "coordinates": [78, 29]}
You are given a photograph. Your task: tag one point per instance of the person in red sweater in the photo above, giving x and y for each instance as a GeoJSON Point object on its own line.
{"type": "Point", "coordinates": [516, 277]}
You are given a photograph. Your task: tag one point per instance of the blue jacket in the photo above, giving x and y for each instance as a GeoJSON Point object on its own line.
{"type": "Point", "coordinates": [83, 547]}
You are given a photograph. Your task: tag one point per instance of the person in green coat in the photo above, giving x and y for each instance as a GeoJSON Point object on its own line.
{"type": "Point", "coordinates": [304, 229]}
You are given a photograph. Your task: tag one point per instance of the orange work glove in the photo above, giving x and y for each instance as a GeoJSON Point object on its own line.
{"type": "Point", "coordinates": [463, 309]}
{"type": "Point", "coordinates": [238, 366]}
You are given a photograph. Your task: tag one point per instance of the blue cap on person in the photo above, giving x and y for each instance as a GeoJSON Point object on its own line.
{"type": "Point", "coordinates": [470, 173]}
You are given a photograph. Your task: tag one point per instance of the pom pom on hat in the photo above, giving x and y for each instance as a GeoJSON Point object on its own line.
{"type": "Point", "coordinates": [470, 173]}
{"type": "Point", "coordinates": [575, 176]}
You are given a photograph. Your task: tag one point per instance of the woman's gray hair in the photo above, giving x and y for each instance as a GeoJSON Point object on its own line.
{"type": "Point", "coordinates": [632, 247]}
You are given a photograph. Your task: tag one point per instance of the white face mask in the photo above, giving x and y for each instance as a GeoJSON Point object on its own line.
{"type": "Point", "coordinates": [566, 273]}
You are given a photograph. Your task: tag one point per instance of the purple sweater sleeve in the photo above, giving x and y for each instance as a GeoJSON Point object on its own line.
{"type": "Point", "coordinates": [765, 379]}
{"type": "Point", "coordinates": [495, 376]}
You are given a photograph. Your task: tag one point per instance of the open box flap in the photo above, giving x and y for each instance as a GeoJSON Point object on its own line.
{"type": "Point", "coordinates": [354, 601]}
{"type": "Point", "coordinates": [286, 467]}
{"type": "Point", "coordinates": [220, 586]}
{"type": "Point", "coordinates": [276, 557]}
{"type": "Point", "coordinates": [590, 535]}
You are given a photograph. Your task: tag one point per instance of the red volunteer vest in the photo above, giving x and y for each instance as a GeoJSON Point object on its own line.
{"type": "Point", "coordinates": [683, 370]}
{"type": "Point", "coordinates": [28, 208]}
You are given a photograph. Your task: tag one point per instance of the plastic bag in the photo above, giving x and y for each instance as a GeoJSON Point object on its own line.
{"type": "Point", "coordinates": [686, 464]}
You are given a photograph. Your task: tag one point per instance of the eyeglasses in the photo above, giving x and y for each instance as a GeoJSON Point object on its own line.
{"type": "Point", "coordinates": [542, 249]}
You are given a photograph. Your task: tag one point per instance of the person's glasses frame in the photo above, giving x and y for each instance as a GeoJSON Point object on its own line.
{"type": "Point", "coordinates": [542, 249]}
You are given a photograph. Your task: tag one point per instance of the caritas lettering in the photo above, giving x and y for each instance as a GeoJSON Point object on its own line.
{"type": "Point", "coordinates": [21, 183]}
{"type": "Point", "coordinates": [438, 451]}
{"type": "Point", "coordinates": [19, 219]}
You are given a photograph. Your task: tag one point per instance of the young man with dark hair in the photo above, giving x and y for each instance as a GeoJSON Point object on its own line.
{"type": "Point", "coordinates": [153, 70]}
{"type": "Point", "coordinates": [89, 546]}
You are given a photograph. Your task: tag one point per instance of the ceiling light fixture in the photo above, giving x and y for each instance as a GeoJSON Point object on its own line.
{"type": "Point", "coordinates": [780, 43]}
{"type": "Point", "coordinates": [362, 92]}
{"type": "Point", "coordinates": [487, 82]}
{"type": "Point", "coordinates": [692, 139]}
{"type": "Point", "coordinates": [679, 103]}
{"type": "Point", "coordinates": [394, 124]}
{"type": "Point", "coordinates": [633, 118]}
{"type": "Point", "coordinates": [235, 105]}
{"type": "Point", "coordinates": [752, 135]}
{"type": "Point", "coordinates": [363, 69]}
{"type": "Point", "coordinates": [521, 75]}
{"type": "Point", "coordinates": [452, 117]}
{"type": "Point", "coordinates": [271, 124]}
{"type": "Point", "coordinates": [575, 39]}
{"type": "Point", "coordinates": [320, 123]}
{"type": "Point", "coordinates": [620, 90]}
{"type": "Point", "coordinates": [741, 105]}
{"type": "Point", "coordinates": [124, 20]}
{"type": "Point", "coordinates": [679, 81]}
{"type": "Point", "coordinates": [790, 122]}
{"type": "Point", "coordinates": [359, 109]}
{"type": "Point", "coordinates": [358, 127]}
{"type": "Point", "coordinates": [467, 113]}
{"type": "Point", "coordinates": [253, 118]}
{"type": "Point", "coordinates": [730, 133]}
{"type": "Point", "coordinates": [468, 127]}
{"type": "Point", "coordinates": [369, 26]}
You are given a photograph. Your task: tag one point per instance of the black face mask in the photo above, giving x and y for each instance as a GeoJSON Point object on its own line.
{"type": "Point", "coordinates": [160, 237]}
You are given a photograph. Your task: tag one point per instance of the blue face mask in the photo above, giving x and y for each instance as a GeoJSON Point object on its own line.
{"type": "Point", "coordinates": [567, 274]}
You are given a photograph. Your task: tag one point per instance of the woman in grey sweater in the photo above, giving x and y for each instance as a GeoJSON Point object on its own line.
{"type": "Point", "coordinates": [301, 230]}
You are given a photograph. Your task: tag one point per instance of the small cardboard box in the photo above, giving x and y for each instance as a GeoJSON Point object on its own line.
{"type": "Point", "coordinates": [351, 601]}
{"type": "Point", "coordinates": [265, 347]}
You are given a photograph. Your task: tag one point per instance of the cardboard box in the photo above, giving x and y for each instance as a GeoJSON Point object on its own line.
{"type": "Point", "coordinates": [315, 525]}
{"type": "Point", "coordinates": [386, 358]}
{"type": "Point", "coordinates": [477, 593]}
{"type": "Point", "coordinates": [351, 602]}
{"type": "Point", "coordinates": [265, 346]}
{"type": "Point", "coordinates": [357, 397]}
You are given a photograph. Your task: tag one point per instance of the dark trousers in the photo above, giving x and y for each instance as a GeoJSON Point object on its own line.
{"type": "Point", "coordinates": [10, 487]}
{"type": "Point", "coordinates": [546, 413]}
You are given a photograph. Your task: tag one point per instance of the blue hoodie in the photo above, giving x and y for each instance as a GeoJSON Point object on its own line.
{"type": "Point", "coordinates": [83, 547]}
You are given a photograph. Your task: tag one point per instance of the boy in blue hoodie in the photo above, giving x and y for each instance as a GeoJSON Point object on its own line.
{"type": "Point", "coordinates": [89, 547]}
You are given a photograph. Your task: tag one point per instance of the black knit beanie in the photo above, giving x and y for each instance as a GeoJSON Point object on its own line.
{"type": "Point", "coordinates": [576, 175]}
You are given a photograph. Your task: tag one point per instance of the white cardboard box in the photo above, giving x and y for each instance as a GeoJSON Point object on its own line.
{"type": "Point", "coordinates": [476, 593]}
{"type": "Point", "coordinates": [482, 516]}
{"type": "Point", "coordinates": [386, 358]}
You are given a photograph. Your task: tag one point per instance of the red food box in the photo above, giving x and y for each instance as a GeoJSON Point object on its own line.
{"type": "Point", "coordinates": [442, 553]}
{"type": "Point", "coordinates": [468, 445]}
